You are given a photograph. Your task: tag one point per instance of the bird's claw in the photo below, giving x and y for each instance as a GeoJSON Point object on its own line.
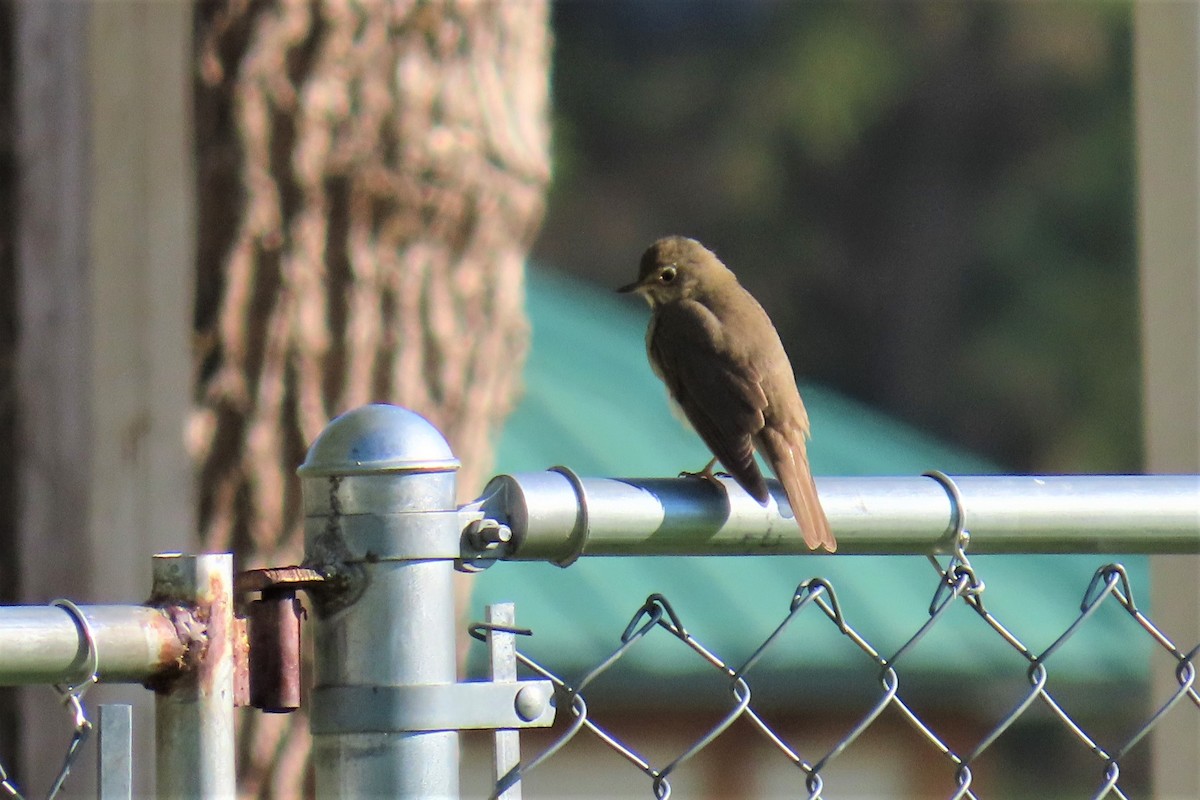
{"type": "Point", "coordinates": [706, 474]}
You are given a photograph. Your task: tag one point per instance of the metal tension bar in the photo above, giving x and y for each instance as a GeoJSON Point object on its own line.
{"type": "Point", "coordinates": [478, 705]}
{"type": "Point", "coordinates": [382, 528]}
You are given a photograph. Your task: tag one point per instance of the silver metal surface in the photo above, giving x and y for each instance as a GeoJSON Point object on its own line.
{"type": "Point", "coordinates": [502, 663]}
{"type": "Point", "coordinates": [194, 713]}
{"type": "Point", "coordinates": [115, 741]}
{"type": "Point", "coordinates": [42, 644]}
{"type": "Point", "coordinates": [408, 536]}
{"type": "Point", "coordinates": [370, 494]}
{"type": "Point", "coordinates": [371, 477]}
{"type": "Point", "coordinates": [481, 705]}
{"type": "Point", "coordinates": [378, 438]}
{"type": "Point", "coordinates": [552, 517]}
{"type": "Point", "coordinates": [532, 701]}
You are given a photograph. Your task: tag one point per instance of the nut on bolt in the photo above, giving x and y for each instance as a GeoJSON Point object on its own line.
{"type": "Point", "coordinates": [487, 534]}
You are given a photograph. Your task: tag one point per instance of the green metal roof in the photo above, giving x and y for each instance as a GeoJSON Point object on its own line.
{"type": "Point", "coordinates": [590, 402]}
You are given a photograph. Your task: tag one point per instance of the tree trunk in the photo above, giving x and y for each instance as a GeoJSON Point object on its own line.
{"type": "Point", "coordinates": [371, 176]}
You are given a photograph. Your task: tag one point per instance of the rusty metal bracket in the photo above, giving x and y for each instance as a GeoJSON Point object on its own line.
{"type": "Point", "coordinates": [273, 636]}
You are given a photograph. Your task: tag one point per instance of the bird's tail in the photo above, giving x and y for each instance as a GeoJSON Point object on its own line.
{"type": "Point", "coordinates": [788, 457]}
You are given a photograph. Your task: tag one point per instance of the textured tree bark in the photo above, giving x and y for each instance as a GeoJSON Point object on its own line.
{"type": "Point", "coordinates": [371, 177]}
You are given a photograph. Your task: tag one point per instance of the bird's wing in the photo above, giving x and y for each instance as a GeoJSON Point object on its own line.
{"type": "Point", "coordinates": [722, 399]}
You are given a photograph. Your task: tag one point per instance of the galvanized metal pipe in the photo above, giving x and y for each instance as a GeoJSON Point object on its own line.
{"type": "Point", "coordinates": [381, 525]}
{"type": "Point", "coordinates": [43, 644]}
{"type": "Point", "coordinates": [193, 714]}
{"type": "Point", "coordinates": [557, 516]}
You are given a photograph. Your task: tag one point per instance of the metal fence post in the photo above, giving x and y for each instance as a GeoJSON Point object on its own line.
{"type": "Point", "coordinates": [502, 660]}
{"type": "Point", "coordinates": [114, 767]}
{"type": "Point", "coordinates": [381, 525]}
{"type": "Point", "coordinates": [193, 714]}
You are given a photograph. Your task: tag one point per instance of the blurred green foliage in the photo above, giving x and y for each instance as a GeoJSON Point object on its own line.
{"type": "Point", "coordinates": [934, 200]}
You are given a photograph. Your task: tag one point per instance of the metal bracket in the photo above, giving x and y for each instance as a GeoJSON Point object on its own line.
{"type": "Point", "coordinates": [268, 656]}
{"type": "Point", "coordinates": [481, 705]}
{"type": "Point", "coordinates": [402, 536]}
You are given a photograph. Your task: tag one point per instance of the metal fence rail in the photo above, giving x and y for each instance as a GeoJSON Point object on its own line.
{"type": "Point", "coordinates": [558, 516]}
{"type": "Point", "coordinates": [181, 643]}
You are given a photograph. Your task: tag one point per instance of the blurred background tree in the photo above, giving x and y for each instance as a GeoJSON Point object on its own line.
{"type": "Point", "coordinates": [934, 200]}
{"type": "Point", "coordinates": [371, 176]}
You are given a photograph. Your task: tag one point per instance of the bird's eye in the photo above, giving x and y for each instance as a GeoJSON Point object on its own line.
{"type": "Point", "coordinates": [667, 274]}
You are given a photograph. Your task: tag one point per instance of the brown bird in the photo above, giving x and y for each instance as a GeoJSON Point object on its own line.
{"type": "Point", "coordinates": [715, 348]}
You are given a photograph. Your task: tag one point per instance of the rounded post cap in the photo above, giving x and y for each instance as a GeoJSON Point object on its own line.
{"type": "Point", "coordinates": [378, 438]}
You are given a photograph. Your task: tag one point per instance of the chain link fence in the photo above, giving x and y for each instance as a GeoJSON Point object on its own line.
{"type": "Point", "coordinates": [956, 583]}
{"type": "Point", "coordinates": [387, 711]}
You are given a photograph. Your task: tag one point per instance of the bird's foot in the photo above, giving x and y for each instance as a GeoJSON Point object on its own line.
{"type": "Point", "coordinates": [706, 474]}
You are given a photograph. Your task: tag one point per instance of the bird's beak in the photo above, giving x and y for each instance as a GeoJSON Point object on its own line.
{"type": "Point", "coordinates": [630, 287]}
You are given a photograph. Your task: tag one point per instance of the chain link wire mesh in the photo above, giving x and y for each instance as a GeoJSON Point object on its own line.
{"type": "Point", "coordinates": [957, 583]}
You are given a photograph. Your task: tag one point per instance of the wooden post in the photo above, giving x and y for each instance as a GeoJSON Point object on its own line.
{"type": "Point", "coordinates": [1167, 90]}
{"type": "Point", "coordinates": [105, 269]}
